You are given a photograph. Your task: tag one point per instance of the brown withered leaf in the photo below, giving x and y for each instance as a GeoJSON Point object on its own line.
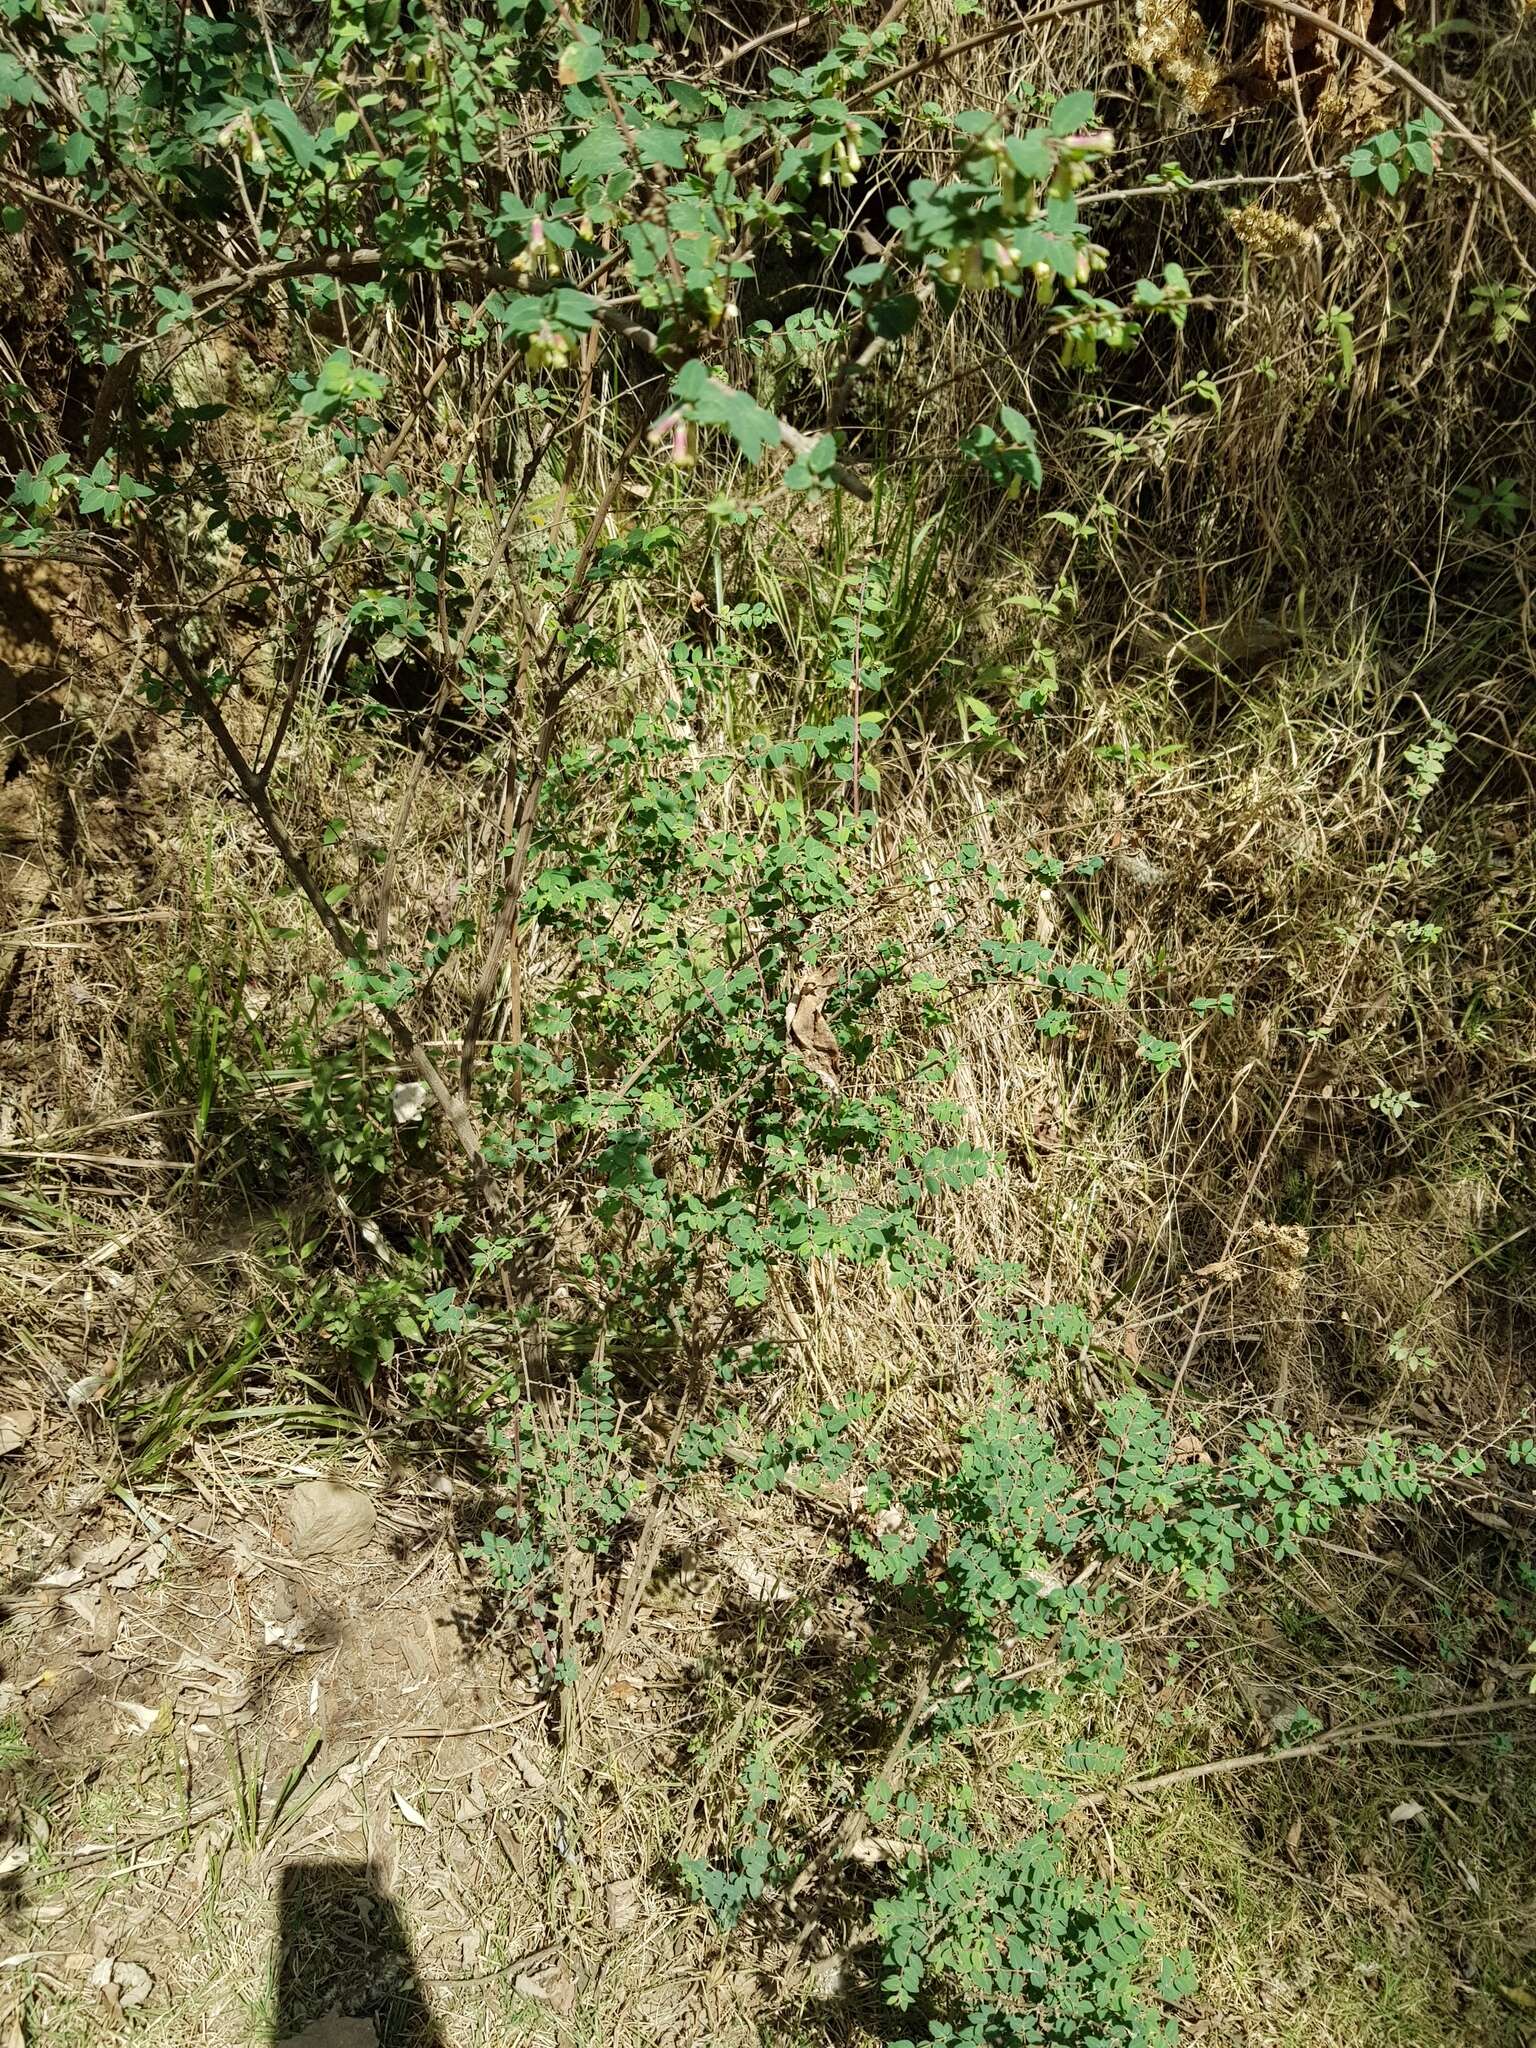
{"type": "Point", "coordinates": [15, 1428]}
{"type": "Point", "coordinates": [1289, 50]}
{"type": "Point", "coordinates": [621, 1896]}
{"type": "Point", "coordinates": [100, 1614]}
{"type": "Point", "coordinates": [806, 1027]}
{"type": "Point", "coordinates": [556, 1988]}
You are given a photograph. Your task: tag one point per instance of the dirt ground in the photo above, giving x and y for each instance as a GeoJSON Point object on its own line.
{"type": "Point", "coordinates": [249, 1789]}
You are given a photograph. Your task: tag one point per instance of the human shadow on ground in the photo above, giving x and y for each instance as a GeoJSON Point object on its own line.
{"type": "Point", "coordinates": [343, 1955]}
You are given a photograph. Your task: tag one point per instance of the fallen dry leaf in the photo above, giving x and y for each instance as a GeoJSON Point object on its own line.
{"type": "Point", "coordinates": [143, 1718]}
{"type": "Point", "coordinates": [621, 1896]}
{"type": "Point", "coordinates": [284, 1635]}
{"type": "Point", "coordinates": [62, 1576]}
{"type": "Point", "coordinates": [102, 1557]}
{"type": "Point", "coordinates": [409, 1812]}
{"type": "Point", "coordinates": [15, 1428]}
{"type": "Point", "coordinates": [360, 1766]}
{"type": "Point", "coordinates": [100, 1613]}
{"type": "Point", "coordinates": [555, 1988]}
{"type": "Point", "coordinates": [134, 1984]}
{"type": "Point", "coordinates": [808, 1030]}
{"type": "Point", "coordinates": [827, 1975]}
{"type": "Point", "coordinates": [1409, 1810]}
{"type": "Point", "coordinates": [408, 1104]}
{"type": "Point", "coordinates": [762, 1584]}
{"type": "Point", "coordinates": [206, 1688]}
{"type": "Point", "coordinates": [524, 1765]}
{"type": "Point", "coordinates": [139, 1571]}
{"type": "Point", "coordinates": [872, 1849]}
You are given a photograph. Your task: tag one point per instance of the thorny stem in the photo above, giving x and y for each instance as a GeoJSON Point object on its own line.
{"type": "Point", "coordinates": [350, 945]}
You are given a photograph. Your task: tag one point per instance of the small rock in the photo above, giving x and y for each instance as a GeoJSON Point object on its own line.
{"type": "Point", "coordinates": [327, 1519]}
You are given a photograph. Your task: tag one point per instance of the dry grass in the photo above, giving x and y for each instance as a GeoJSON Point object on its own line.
{"type": "Point", "coordinates": [1258, 598]}
{"type": "Point", "coordinates": [1245, 864]}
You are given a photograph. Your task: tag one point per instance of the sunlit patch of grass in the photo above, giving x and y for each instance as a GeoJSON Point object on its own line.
{"type": "Point", "coordinates": [14, 1749]}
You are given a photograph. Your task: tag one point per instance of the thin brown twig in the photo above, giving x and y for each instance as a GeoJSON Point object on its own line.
{"type": "Point", "coordinates": [102, 1159]}
{"type": "Point", "coordinates": [1357, 1734]}
{"type": "Point", "coordinates": [1453, 292]}
{"type": "Point", "coordinates": [728, 59]}
{"type": "Point", "coordinates": [1448, 114]}
{"type": "Point", "coordinates": [981, 41]}
{"type": "Point", "coordinates": [349, 945]}
{"type": "Point", "coordinates": [1197, 185]}
{"type": "Point", "coordinates": [1482, 1259]}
